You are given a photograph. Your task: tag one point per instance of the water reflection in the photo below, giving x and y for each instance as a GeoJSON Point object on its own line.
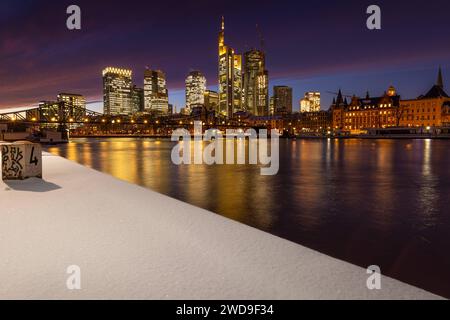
{"type": "Point", "coordinates": [369, 202]}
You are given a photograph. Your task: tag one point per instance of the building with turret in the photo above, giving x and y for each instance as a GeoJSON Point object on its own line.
{"type": "Point", "coordinates": [429, 110]}
{"type": "Point", "coordinates": [338, 108]}
{"type": "Point", "coordinates": [364, 113]}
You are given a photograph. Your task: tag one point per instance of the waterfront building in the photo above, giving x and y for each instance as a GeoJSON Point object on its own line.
{"type": "Point", "coordinates": [269, 122]}
{"type": "Point", "coordinates": [66, 107]}
{"type": "Point", "coordinates": [76, 103]}
{"type": "Point", "coordinates": [230, 78]}
{"type": "Point", "coordinates": [195, 89]}
{"type": "Point", "coordinates": [309, 122]}
{"type": "Point", "coordinates": [310, 102]}
{"type": "Point", "coordinates": [211, 100]}
{"type": "Point", "coordinates": [338, 107]}
{"type": "Point", "coordinates": [156, 96]}
{"type": "Point", "coordinates": [282, 100]}
{"type": "Point", "coordinates": [429, 110]}
{"type": "Point", "coordinates": [369, 112]}
{"type": "Point", "coordinates": [256, 83]}
{"type": "Point", "coordinates": [117, 91]}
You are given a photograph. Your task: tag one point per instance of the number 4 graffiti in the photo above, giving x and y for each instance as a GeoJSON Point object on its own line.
{"type": "Point", "coordinates": [33, 159]}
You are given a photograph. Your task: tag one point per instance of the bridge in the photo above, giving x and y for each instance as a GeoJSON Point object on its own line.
{"type": "Point", "coordinates": [48, 114]}
{"type": "Point", "coordinates": [81, 121]}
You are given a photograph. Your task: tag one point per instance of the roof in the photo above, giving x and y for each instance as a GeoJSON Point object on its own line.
{"type": "Point", "coordinates": [435, 92]}
{"type": "Point", "coordinates": [376, 101]}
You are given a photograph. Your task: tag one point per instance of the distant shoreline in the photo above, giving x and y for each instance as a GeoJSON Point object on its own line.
{"type": "Point", "coordinates": [374, 137]}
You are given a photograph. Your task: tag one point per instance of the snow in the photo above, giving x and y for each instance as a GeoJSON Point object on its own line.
{"type": "Point", "coordinates": [133, 243]}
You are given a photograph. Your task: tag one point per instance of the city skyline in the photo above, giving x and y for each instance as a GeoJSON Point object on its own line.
{"type": "Point", "coordinates": [325, 70]}
{"type": "Point", "coordinates": [256, 151]}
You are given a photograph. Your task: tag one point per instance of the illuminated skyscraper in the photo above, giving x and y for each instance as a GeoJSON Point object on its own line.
{"type": "Point", "coordinates": [311, 102]}
{"type": "Point", "coordinates": [282, 100]}
{"type": "Point", "coordinates": [156, 97]}
{"type": "Point", "coordinates": [117, 91]}
{"type": "Point", "coordinates": [230, 78]}
{"type": "Point", "coordinates": [195, 89]}
{"type": "Point", "coordinates": [256, 83]}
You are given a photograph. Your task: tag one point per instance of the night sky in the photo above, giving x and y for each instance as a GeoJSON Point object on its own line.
{"type": "Point", "coordinates": [310, 45]}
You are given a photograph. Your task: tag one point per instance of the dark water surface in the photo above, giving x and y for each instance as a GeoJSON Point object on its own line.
{"type": "Point", "coordinates": [382, 202]}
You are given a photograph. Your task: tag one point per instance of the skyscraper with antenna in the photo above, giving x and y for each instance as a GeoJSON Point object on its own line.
{"type": "Point", "coordinates": [230, 77]}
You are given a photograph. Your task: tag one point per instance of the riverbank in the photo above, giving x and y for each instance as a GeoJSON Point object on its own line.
{"type": "Point", "coordinates": [133, 243]}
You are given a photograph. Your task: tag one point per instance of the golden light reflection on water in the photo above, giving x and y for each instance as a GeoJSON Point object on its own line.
{"type": "Point", "coordinates": [428, 196]}
{"type": "Point", "coordinates": [233, 190]}
{"type": "Point", "coordinates": [426, 167]}
{"type": "Point", "coordinates": [312, 173]}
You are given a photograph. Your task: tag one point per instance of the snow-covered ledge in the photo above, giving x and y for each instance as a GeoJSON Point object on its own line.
{"type": "Point", "coordinates": [133, 243]}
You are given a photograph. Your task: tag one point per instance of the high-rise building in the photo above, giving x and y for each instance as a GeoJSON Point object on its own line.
{"type": "Point", "coordinates": [282, 100]}
{"type": "Point", "coordinates": [230, 78]}
{"type": "Point", "coordinates": [211, 100]}
{"type": "Point", "coordinates": [311, 102]}
{"type": "Point", "coordinates": [138, 99]}
{"type": "Point", "coordinates": [76, 103]}
{"type": "Point", "coordinates": [156, 97]}
{"type": "Point", "coordinates": [195, 89]}
{"type": "Point", "coordinates": [256, 83]}
{"type": "Point", "coordinates": [272, 106]}
{"type": "Point", "coordinates": [117, 91]}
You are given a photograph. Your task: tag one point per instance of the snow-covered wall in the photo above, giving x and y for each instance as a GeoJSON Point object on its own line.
{"type": "Point", "coordinates": [133, 243]}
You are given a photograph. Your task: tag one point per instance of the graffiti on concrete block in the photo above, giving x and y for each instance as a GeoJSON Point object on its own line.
{"type": "Point", "coordinates": [12, 162]}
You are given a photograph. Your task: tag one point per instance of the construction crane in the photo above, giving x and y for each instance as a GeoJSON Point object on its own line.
{"type": "Point", "coordinates": [337, 93]}
{"type": "Point", "coordinates": [260, 37]}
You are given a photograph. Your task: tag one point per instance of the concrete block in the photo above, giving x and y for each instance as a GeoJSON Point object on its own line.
{"type": "Point", "coordinates": [21, 160]}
